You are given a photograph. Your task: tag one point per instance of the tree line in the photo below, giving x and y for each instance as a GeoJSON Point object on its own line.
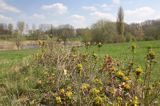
{"type": "Point", "coordinates": [104, 31]}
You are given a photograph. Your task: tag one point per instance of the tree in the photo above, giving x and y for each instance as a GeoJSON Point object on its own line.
{"type": "Point", "coordinates": [84, 34]}
{"type": "Point", "coordinates": [103, 31]}
{"type": "Point", "coordinates": [120, 23]}
{"type": "Point", "coordinates": [20, 27]}
{"type": "Point", "coordinates": [10, 28]}
{"type": "Point", "coordinates": [65, 32]}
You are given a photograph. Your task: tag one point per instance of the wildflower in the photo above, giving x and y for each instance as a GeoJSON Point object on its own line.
{"type": "Point", "coordinates": [79, 67]}
{"type": "Point", "coordinates": [98, 100]}
{"type": "Point", "coordinates": [95, 55]}
{"type": "Point", "coordinates": [125, 78]}
{"type": "Point", "coordinates": [39, 82]}
{"type": "Point", "coordinates": [119, 99]}
{"type": "Point", "coordinates": [113, 68]}
{"type": "Point", "coordinates": [133, 46]}
{"type": "Point", "coordinates": [62, 91]}
{"type": "Point", "coordinates": [135, 101]}
{"type": "Point", "coordinates": [120, 74]}
{"type": "Point", "coordinates": [58, 100]}
{"type": "Point", "coordinates": [151, 55]}
{"type": "Point", "coordinates": [85, 86]}
{"type": "Point", "coordinates": [69, 94]}
{"type": "Point", "coordinates": [112, 91]}
{"type": "Point", "coordinates": [97, 81]}
{"type": "Point", "coordinates": [126, 86]}
{"type": "Point", "coordinates": [138, 71]}
{"type": "Point", "coordinates": [94, 91]}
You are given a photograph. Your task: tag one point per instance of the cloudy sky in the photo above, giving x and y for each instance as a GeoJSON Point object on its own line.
{"type": "Point", "coordinates": [79, 13]}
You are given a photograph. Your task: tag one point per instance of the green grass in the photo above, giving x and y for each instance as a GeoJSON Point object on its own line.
{"type": "Point", "coordinates": [10, 58]}
{"type": "Point", "coordinates": [122, 51]}
{"type": "Point", "coordinates": [118, 50]}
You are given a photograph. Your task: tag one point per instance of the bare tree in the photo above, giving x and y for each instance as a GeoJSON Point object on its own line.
{"type": "Point", "coordinates": [10, 28]}
{"type": "Point", "coordinates": [120, 23]}
{"type": "Point", "coordinates": [65, 32]}
{"type": "Point", "coordinates": [20, 27]}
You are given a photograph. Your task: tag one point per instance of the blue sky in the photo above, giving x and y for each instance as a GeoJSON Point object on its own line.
{"type": "Point", "coordinates": [79, 13]}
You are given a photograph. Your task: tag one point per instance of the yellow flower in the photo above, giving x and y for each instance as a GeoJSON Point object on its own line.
{"type": "Point", "coordinates": [126, 86]}
{"type": "Point", "coordinates": [151, 55]}
{"type": "Point", "coordinates": [97, 81]}
{"type": "Point", "coordinates": [125, 78]}
{"type": "Point", "coordinates": [120, 74]}
{"type": "Point", "coordinates": [62, 91]}
{"type": "Point", "coordinates": [119, 99]}
{"type": "Point", "coordinates": [39, 82]}
{"type": "Point", "coordinates": [113, 68]}
{"type": "Point", "coordinates": [79, 67]}
{"type": "Point", "coordinates": [98, 100]}
{"type": "Point", "coordinates": [133, 46]}
{"type": "Point", "coordinates": [135, 101]}
{"type": "Point", "coordinates": [138, 70]}
{"type": "Point", "coordinates": [94, 91]}
{"type": "Point", "coordinates": [95, 55]}
{"type": "Point", "coordinates": [58, 100]}
{"type": "Point", "coordinates": [69, 94]}
{"type": "Point", "coordinates": [112, 91]}
{"type": "Point", "coordinates": [85, 86]}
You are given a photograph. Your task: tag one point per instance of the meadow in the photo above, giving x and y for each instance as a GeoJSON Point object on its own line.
{"type": "Point", "coordinates": [29, 76]}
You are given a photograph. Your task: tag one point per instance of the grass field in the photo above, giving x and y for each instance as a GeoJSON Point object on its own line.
{"type": "Point", "coordinates": [118, 50]}
{"type": "Point", "coordinates": [16, 81]}
{"type": "Point", "coordinates": [122, 51]}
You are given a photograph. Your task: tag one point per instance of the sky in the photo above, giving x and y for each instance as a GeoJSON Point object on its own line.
{"type": "Point", "coordinates": [79, 13]}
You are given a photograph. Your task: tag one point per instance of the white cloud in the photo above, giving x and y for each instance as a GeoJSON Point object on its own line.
{"type": "Point", "coordinates": [38, 16]}
{"type": "Point", "coordinates": [95, 13]}
{"type": "Point", "coordinates": [77, 21]}
{"type": "Point", "coordinates": [99, 14]}
{"type": "Point", "coordinates": [116, 1]}
{"type": "Point", "coordinates": [6, 7]}
{"type": "Point", "coordinates": [78, 17]}
{"type": "Point", "coordinates": [57, 7]}
{"type": "Point", "coordinates": [5, 18]}
{"type": "Point", "coordinates": [139, 14]}
{"type": "Point", "coordinates": [142, 11]}
{"type": "Point", "coordinates": [90, 8]}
